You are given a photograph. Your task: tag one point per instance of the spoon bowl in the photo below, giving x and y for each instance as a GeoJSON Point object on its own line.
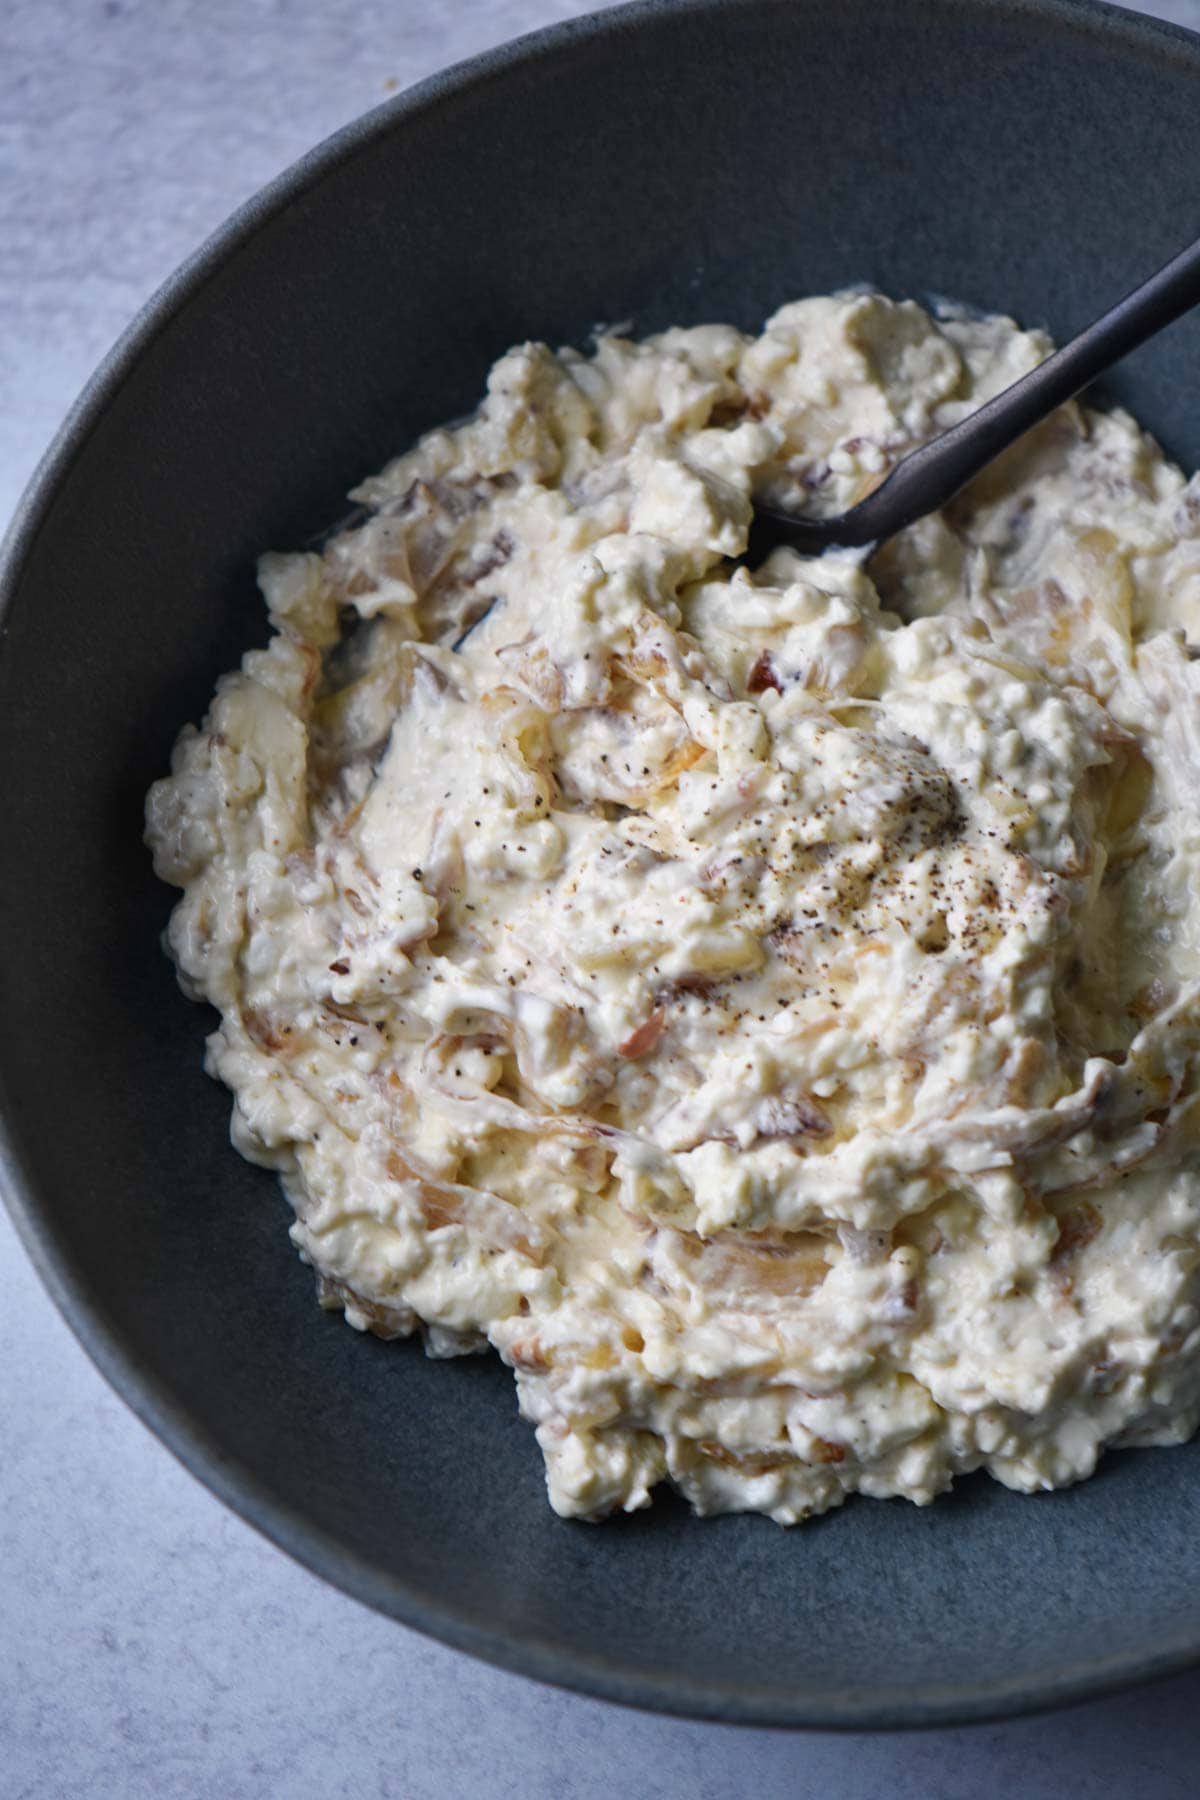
{"type": "Point", "coordinates": [928, 477]}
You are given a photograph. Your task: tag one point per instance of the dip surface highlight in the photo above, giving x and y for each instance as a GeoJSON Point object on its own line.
{"type": "Point", "coordinates": [764, 1005]}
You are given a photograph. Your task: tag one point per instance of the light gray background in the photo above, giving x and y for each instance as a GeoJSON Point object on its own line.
{"type": "Point", "coordinates": [150, 1643]}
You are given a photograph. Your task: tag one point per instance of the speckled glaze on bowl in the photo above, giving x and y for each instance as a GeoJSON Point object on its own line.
{"type": "Point", "coordinates": [667, 162]}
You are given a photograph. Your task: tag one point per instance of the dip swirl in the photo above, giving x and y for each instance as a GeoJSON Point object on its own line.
{"type": "Point", "coordinates": [763, 1004]}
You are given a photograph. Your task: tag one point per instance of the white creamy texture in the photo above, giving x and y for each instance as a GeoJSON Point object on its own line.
{"type": "Point", "coordinates": [763, 1004]}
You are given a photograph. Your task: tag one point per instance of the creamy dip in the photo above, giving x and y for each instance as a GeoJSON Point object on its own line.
{"type": "Point", "coordinates": [763, 1004]}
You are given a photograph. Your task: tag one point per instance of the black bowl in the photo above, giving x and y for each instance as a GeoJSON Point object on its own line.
{"type": "Point", "coordinates": [668, 162]}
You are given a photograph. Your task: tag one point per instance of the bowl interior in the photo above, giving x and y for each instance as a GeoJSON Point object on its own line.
{"type": "Point", "coordinates": [667, 163]}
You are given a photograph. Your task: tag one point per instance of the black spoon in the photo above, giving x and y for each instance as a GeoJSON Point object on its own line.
{"type": "Point", "coordinates": [927, 478]}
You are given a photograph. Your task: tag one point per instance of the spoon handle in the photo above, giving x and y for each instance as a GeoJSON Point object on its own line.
{"type": "Point", "coordinates": [927, 478]}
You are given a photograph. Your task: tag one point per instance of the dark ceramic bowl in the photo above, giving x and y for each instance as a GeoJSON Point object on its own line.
{"type": "Point", "coordinates": [668, 162]}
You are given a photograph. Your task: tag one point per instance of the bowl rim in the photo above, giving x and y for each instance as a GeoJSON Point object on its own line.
{"type": "Point", "coordinates": [603, 1677]}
